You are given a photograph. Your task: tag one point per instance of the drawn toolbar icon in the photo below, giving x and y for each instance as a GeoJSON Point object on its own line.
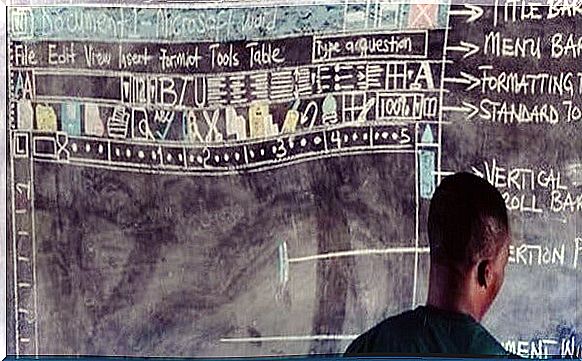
{"type": "Point", "coordinates": [21, 22]}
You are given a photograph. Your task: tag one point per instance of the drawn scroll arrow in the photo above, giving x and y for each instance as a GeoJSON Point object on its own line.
{"type": "Point", "coordinates": [465, 47]}
{"type": "Point", "coordinates": [466, 78]}
{"type": "Point", "coordinates": [473, 12]}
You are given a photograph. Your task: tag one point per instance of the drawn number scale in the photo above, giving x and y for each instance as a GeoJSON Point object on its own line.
{"type": "Point", "coordinates": [23, 245]}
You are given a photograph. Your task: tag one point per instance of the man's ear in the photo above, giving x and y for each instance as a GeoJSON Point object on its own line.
{"type": "Point", "coordinates": [484, 273]}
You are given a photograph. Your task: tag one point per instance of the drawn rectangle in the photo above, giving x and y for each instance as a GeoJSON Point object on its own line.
{"type": "Point", "coordinates": [44, 147]}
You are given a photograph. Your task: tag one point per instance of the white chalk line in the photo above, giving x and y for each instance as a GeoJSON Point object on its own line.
{"type": "Point", "coordinates": [445, 61]}
{"type": "Point", "coordinates": [33, 246]}
{"type": "Point", "coordinates": [361, 252]}
{"type": "Point", "coordinates": [322, 34]}
{"type": "Point", "coordinates": [444, 173]}
{"type": "Point", "coordinates": [288, 338]}
{"type": "Point", "coordinates": [14, 246]}
{"type": "Point", "coordinates": [221, 75]}
{"type": "Point", "coordinates": [416, 212]}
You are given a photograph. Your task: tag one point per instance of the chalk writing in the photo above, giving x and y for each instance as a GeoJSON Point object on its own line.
{"type": "Point", "coordinates": [520, 187]}
{"type": "Point", "coordinates": [528, 254]}
{"type": "Point", "coordinates": [544, 348]}
{"type": "Point", "coordinates": [577, 251]}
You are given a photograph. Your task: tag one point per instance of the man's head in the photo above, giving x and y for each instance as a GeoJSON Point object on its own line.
{"type": "Point", "coordinates": [468, 231]}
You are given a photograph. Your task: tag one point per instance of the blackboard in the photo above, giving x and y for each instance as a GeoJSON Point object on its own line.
{"type": "Point", "coordinates": [213, 180]}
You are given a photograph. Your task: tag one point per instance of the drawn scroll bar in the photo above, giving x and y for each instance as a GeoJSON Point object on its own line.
{"type": "Point", "coordinates": [23, 245]}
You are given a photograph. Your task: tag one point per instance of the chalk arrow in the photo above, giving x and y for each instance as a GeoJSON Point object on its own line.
{"type": "Point", "coordinates": [465, 78]}
{"type": "Point", "coordinates": [477, 172]}
{"type": "Point", "coordinates": [473, 12]}
{"type": "Point", "coordinates": [465, 47]}
{"type": "Point", "coordinates": [466, 108]}
{"type": "Point", "coordinates": [342, 77]}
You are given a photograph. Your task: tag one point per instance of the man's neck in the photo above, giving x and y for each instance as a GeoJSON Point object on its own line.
{"type": "Point", "coordinates": [449, 291]}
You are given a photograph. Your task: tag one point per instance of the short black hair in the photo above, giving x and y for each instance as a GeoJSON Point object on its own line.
{"type": "Point", "coordinates": [467, 220]}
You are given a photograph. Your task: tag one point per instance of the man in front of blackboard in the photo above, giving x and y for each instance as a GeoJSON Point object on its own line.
{"type": "Point", "coordinates": [469, 238]}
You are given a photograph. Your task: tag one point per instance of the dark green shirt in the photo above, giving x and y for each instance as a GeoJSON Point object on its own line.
{"type": "Point", "coordinates": [427, 330]}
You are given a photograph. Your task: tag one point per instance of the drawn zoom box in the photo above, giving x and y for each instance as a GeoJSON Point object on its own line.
{"type": "Point", "coordinates": [387, 45]}
{"type": "Point", "coordinates": [391, 106]}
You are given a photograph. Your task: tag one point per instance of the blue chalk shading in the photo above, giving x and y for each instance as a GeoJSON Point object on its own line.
{"type": "Point", "coordinates": [71, 118]}
{"type": "Point", "coordinates": [427, 136]}
{"type": "Point", "coordinates": [427, 179]}
{"type": "Point", "coordinates": [198, 24]}
{"type": "Point", "coordinates": [283, 263]}
{"type": "Point", "coordinates": [404, 11]}
{"type": "Point", "coordinates": [442, 15]}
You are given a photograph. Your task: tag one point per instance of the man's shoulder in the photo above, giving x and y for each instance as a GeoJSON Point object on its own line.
{"type": "Point", "coordinates": [387, 331]}
{"type": "Point", "coordinates": [483, 342]}
{"type": "Point", "coordinates": [397, 322]}
{"type": "Point", "coordinates": [425, 330]}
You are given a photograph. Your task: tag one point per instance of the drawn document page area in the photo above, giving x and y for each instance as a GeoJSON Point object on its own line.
{"type": "Point", "coordinates": [247, 181]}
